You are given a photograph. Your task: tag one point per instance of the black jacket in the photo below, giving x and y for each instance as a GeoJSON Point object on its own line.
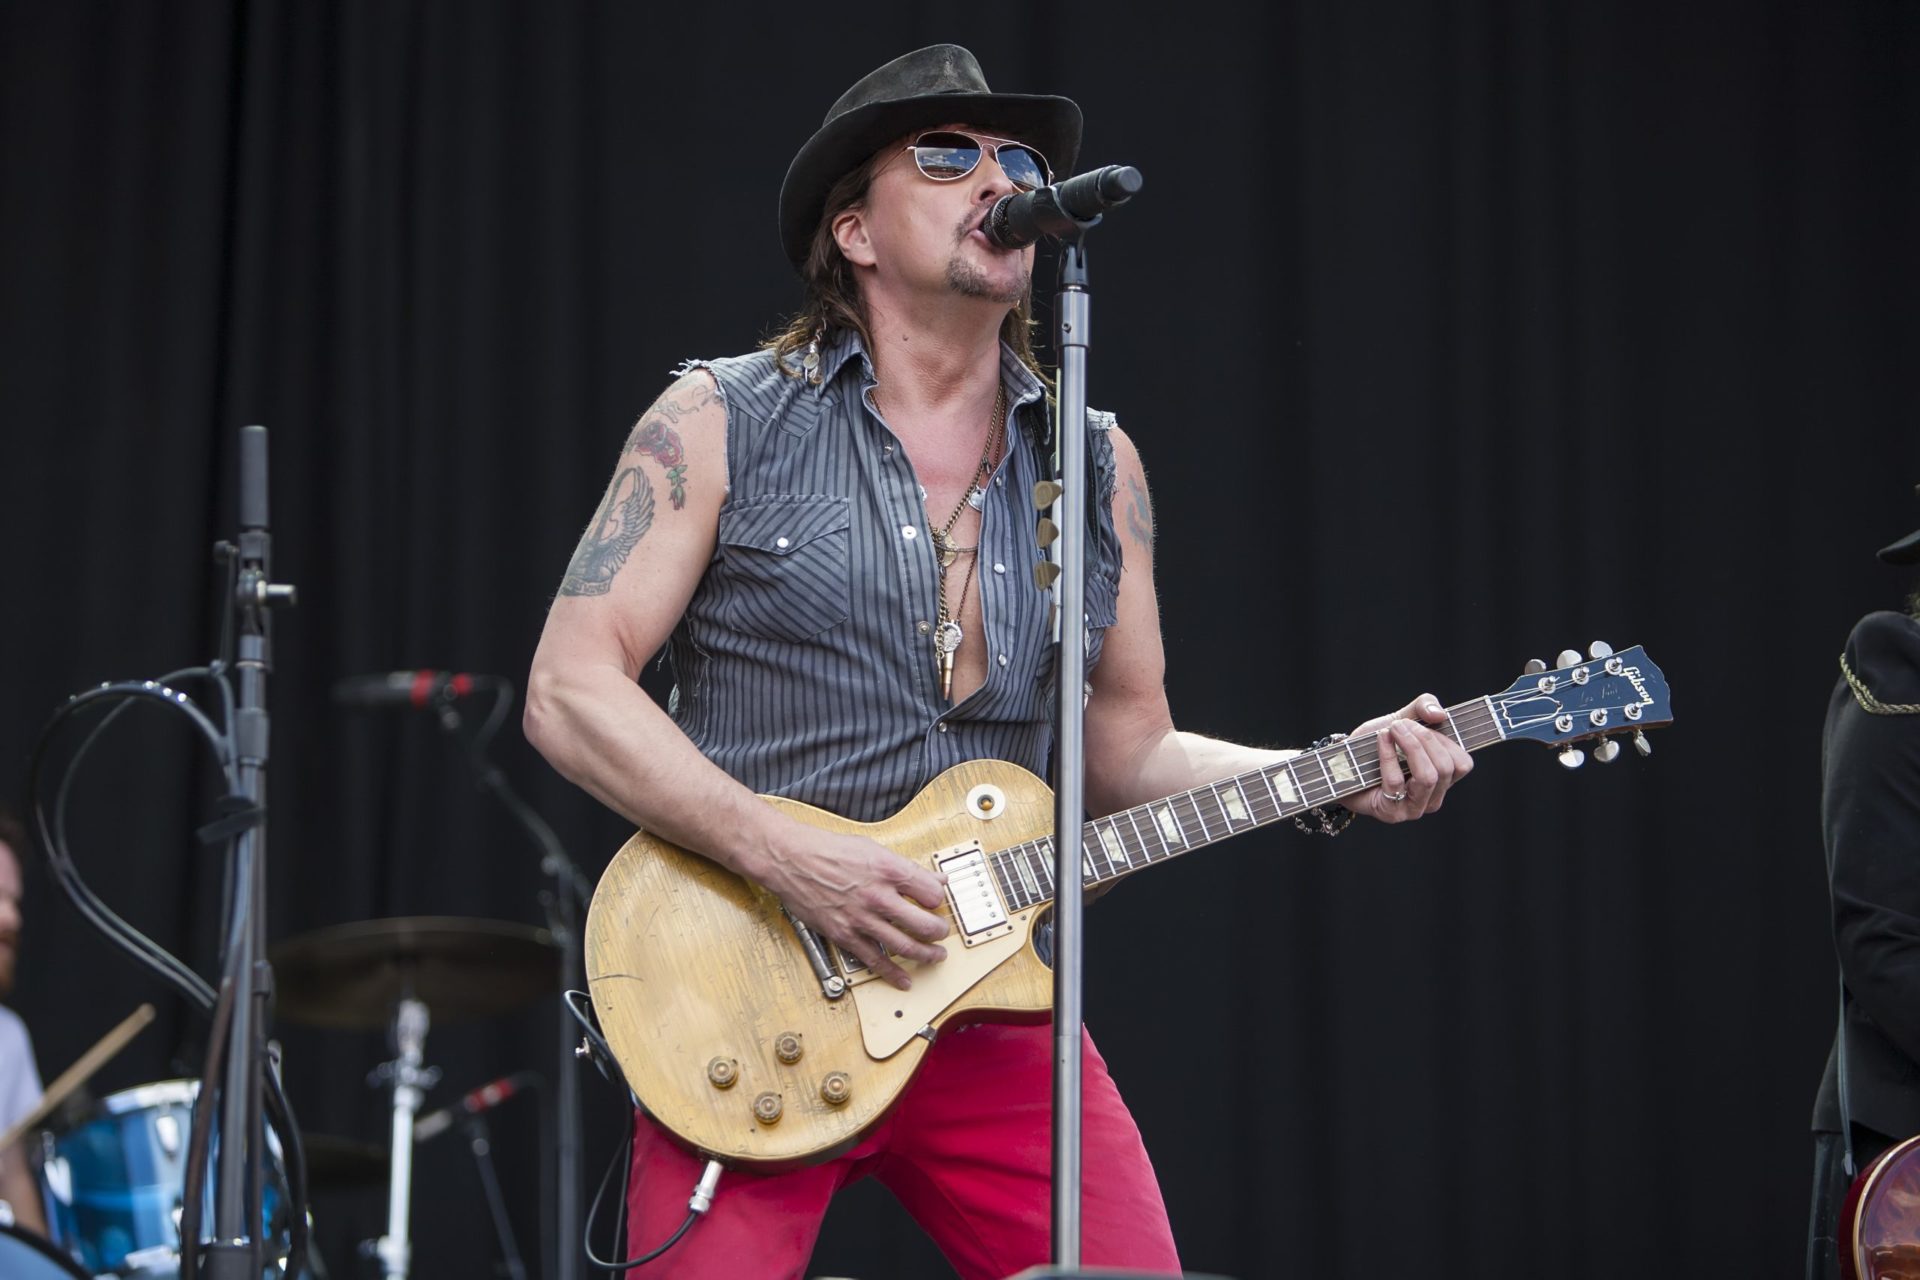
{"type": "Point", "coordinates": [1870, 812]}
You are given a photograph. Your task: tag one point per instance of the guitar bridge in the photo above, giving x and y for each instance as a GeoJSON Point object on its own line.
{"type": "Point", "coordinates": [975, 898]}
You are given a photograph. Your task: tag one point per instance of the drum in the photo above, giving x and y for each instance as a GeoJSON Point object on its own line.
{"type": "Point", "coordinates": [114, 1184]}
{"type": "Point", "coordinates": [25, 1256]}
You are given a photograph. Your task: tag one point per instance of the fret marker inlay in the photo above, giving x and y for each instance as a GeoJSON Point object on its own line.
{"type": "Point", "coordinates": [1169, 826]}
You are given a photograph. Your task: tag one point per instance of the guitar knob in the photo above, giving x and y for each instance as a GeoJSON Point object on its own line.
{"type": "Point", "coordinates": [1607, 751]}
{"type": "Point", "coordinates": [1573, 757]}
{"type": "Point", "coordinates": [1567, 658]}
{"type": "Point", "coordinates": [1641, 744]}
{"type": "Point", "coordinates": [836, 1089]}
{"type": "Point", "coordinates": [1600, 649]}
{"type": "Point", "coordinates": [766, 1108]}
{"type": "Point", "coordinates": [1534, 666]}
{"type": "Point", "coordinates": [786, 1047]}
{"type": "Point", "coordinates": [722, 1073]}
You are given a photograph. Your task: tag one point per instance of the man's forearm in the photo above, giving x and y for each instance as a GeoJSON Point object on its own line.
{"type": "Point", "coordinates": [1174, 761]}
{"type": "Point", "coordinates": [603, 733]}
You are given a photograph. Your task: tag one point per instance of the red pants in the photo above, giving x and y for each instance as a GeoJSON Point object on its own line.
{"type": "Point", "coordinates": [968, 1151]}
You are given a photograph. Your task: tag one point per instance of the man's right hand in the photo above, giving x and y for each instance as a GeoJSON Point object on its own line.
{"type": "Point", "coordinates": [873, 902]}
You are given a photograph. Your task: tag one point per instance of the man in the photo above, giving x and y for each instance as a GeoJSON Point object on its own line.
{"type": "Point", "coordinates": [833, 538]}
{"type": "Point", "coordinates": [1870, 817]}
{"type": "Point", "coordinates": [19, 1079]}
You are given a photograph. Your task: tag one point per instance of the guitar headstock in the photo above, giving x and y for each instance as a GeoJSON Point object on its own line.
{"type": "Point", "coordinates": [1605, 695]}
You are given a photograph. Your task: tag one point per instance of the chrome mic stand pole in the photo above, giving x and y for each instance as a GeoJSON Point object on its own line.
{"type": "Point", "coordinates": [1069, 807]}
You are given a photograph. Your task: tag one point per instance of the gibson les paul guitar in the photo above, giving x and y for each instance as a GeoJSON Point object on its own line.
{"type": "Point", "coordinates": [759, 1043]}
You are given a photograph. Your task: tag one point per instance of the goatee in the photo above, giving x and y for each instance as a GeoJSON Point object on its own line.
{"type": "Point", "coordinates": [969, 281]}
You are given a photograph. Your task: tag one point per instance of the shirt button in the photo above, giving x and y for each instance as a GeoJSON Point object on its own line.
{"type": "Point", "coordinates": [922, 627]}
{"type": "Point", "coordinates": [999, 568]}
{"type": "Point", "coordinates": [887, 449]}
{"type": "Point", "coordinates": [908, 532]}
{"type": "Point", "coordinates": [782, 542]}
{"type": "Point", "coordinates": [943, 726]}
{"type": "Point", "coordinates": [1003, 659]}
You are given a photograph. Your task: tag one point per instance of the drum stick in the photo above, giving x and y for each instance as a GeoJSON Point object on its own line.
{"type": "Point", "coordinates": [76, 1075]}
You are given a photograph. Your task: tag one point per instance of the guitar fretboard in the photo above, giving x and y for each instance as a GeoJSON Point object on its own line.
{"type": "Point", "coordinates": [1124, 842]}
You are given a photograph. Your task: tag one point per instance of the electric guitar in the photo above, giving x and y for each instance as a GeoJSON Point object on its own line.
{"type": "Point", "coordinates": [759, 1043]}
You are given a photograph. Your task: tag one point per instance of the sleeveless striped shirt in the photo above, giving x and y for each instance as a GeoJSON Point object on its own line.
{"type": "Point", "coordinates": [804, 664]}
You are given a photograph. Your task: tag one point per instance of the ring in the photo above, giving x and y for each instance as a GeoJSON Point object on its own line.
{"type": "Point", "coordinates": [1393, 797]}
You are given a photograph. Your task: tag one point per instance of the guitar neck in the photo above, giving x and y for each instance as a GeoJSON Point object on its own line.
{"type": "Point", "coordinates": [1125, 842]}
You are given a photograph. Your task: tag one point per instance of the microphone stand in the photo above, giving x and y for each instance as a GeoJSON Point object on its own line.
{"type": "Point", "coordinates": [239, 1251]}
{"type": "Point", "coordinates": [571, 891]}
{"type": "Point", "coordinates": [1073, 309]}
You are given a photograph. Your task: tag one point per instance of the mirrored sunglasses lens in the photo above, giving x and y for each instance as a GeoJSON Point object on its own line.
{"type": "Point", "coordinates": [946, 156]}
{"type": "Point", "coordinates": [1023, 166]}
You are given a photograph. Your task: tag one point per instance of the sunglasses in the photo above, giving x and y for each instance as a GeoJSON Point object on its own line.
{"type": "Point", "coordinates": [948, 156]}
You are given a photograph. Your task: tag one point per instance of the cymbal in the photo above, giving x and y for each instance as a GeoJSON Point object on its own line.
{"type": "Point", "coordinates": [337, 1164]}
{"type": "Point", "coordinates": [350, 977]}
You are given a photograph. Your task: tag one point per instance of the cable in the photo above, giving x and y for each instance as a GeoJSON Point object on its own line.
{"type": "Point", "coordinates": [53, 834]}
{"type": "Point", "coordinates": [624, 1156]}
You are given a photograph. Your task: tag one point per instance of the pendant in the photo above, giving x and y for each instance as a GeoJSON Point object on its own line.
{"type": "Point", "coordinates": [977, 499]}
{"type": "Point", "coordinates": [946, 639]}
{"type": "Point", "coordinates": [944, 548]}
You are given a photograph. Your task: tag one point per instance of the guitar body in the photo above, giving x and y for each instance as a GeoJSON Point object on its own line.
{"type": "Point", "coordinates": [1879, 1227]}
{"type": "Point", "coordinates": [690, 965]}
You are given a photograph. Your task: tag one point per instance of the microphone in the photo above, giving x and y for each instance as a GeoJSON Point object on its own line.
{"type": "Point", "coordinates": [485, 1098]}
{"type": "Point", "coordinates": [409, 688]}
{"type": "Point", "coordinates": [1016, 221]}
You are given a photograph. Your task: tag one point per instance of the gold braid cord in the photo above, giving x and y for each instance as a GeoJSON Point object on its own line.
{"type": "Point", "coordinates": [1872, 705]}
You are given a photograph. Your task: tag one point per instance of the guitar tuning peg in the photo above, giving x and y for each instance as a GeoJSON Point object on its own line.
{"type": "Point", "coordinates": [1567, 658]}
{"type": "Point", "coordinates": [1534, 666]}
{"type": "Point", "coordinates": [1599, 649]}
{"type": "Point", "coordinates": [1573, 757]}
{"type": "Point", "coordinates": [1606, 751]}
{"type": "Point", "coordinates": [1641, 744]}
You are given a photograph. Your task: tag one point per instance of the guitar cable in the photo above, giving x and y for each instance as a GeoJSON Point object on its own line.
{"type": "Point", "coordinates": [697, 1205]}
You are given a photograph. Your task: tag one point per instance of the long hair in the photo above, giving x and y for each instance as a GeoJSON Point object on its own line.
{"type": "Point", "coordinates": [834, 302]}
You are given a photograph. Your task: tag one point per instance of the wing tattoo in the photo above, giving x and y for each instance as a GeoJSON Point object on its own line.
{"type": "Point", "coordinates": [623, 520]}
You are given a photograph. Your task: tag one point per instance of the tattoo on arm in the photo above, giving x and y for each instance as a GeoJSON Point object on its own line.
{"type": "Point", "coordinates": [1139, 513]}
{"type": "Point", "coordinates": [622, 521]}
{"type": "Point", "coordinates": [655, 437]}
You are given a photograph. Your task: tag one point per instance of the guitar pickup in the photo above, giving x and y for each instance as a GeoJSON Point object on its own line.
{"type": "Point", "coordinates": [977, 907]}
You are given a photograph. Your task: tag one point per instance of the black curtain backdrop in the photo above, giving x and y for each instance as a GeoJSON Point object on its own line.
{"type": "Point", "coordinates": [1452, 334]}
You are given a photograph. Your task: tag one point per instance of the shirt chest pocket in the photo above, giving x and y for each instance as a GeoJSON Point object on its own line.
{"type": "Point", "coordinates": [784, 557]}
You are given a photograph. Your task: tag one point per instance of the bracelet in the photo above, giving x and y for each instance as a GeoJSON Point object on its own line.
{"type": "Point", "coordinates": [1329, 825]}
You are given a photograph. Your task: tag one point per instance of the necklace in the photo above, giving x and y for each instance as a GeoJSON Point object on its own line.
{"type": "Point", "coordinates": [948, 634]}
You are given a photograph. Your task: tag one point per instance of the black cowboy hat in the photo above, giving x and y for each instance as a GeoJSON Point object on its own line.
{"type": "Point", "coordinates": [1905, 551]}
{"type": "Point", "coordinates": [941, 84]}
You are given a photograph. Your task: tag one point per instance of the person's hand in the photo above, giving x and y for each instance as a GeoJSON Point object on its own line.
{"type": "Point", "coordinates": [873, 902]}
{"type": "Point", "coordinates": [1433, 761]}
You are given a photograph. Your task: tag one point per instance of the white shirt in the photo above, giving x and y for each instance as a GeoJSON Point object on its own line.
{"type": "Point", "coordinates": [19, 1078]}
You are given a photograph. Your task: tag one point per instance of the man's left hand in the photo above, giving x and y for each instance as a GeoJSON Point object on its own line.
{"type": "Point", "coordinates": [1417, 762]}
